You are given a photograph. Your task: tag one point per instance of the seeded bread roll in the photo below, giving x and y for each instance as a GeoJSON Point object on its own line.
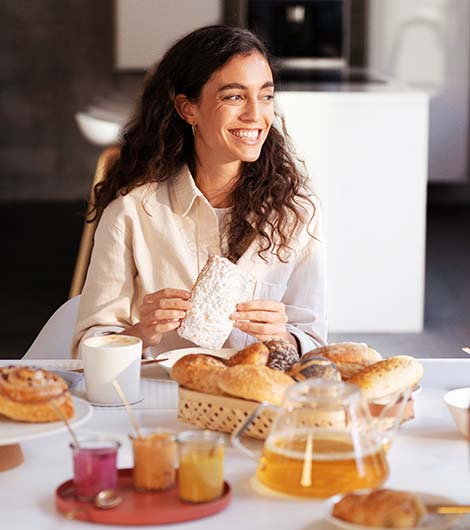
{"type": "Point", "coordinates": [220, 286]}
{"type": "Point", "coordinates": [256, 353]}
{"type": "Point", "coordinates": [257, 383]}
{"type": "Point", "coordinates": [27, 394]}
{"type": "Point", "coordinates": [199, 372]}
{"type": "Point", "coordinates": [282, 354]}
{"type": "Point", "coordinates": [310, 367]}
{"type": "Point", "coordinates": [382, 508]}
{"type": "Point", "coordinates": [349, 357]}
{"type": "Point", "coordinates": [388, 376]}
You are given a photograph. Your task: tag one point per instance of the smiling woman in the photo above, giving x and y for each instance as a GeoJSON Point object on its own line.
{"type": "Point", "coordinates": [204, 170]}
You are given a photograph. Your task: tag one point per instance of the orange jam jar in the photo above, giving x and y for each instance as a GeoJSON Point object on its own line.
{"type": "Point", "coordinates": [201, 466]}
{"type": "Point", "coordinates": [154, 459]}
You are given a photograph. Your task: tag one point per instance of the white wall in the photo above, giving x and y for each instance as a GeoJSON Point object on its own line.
{"type": "Point", "coordinates": [426, 44]}
{"type": "Point", "coordinates": [146, 28]}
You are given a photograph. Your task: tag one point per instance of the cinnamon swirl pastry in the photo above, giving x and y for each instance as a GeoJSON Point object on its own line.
{"type": "Point", "coordinates": [26, 394]}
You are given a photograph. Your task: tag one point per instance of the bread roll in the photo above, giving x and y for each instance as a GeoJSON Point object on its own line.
{"type": "Point", "coordinates": [198, 372]}
{"type": "Point", "coordinates": [26, 394]}
{"type": "Point", "coordinates": [220, 286]}
{"type": "Point", "coordinates": [282, 354]}
{"type": "Point", "coordinates": [349, 357]}
{"type": "Point", "coordinates": [383, 508]}
{"type": "Point", "coordinates": [388, 376]}
{"type": "Point", "coordinates": [257, 383]}
{"type": "Point", "coordinates": [310, 367]}
{"type": "Point", "coordinates": [256, 353]}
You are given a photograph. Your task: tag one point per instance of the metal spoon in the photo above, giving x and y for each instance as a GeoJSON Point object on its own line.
{"type": "Point", "coordinates": [107, 499]}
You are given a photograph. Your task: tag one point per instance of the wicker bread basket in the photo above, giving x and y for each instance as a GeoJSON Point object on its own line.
{"type": "Point", "coordinates": [225, 414]}
{"type": "Point", "coordinates": [222, 413]}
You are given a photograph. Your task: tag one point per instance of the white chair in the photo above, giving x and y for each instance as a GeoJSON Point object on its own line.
{"type": "Point", "coordinates": [55, 338]}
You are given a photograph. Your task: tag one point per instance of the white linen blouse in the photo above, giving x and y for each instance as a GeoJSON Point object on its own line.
{"type": "Point", "coordinates": [159, 236]}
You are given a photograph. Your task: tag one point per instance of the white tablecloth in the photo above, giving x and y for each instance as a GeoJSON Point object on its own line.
{"type": "Point", "coordinates": [428, 455]}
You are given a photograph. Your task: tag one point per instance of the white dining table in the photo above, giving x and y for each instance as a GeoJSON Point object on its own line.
{"type": "Point", "coordinates": [427, 455]}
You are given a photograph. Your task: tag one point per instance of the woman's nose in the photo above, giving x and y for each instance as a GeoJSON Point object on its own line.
{"type": "Point", "coordinates": [252, 111]}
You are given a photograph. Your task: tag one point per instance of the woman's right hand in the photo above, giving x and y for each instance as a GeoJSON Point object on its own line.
{"type": "Point", "coordinates": [160, 312]}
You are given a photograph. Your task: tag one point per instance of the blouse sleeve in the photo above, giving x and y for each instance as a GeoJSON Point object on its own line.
{"type": "Point", "coordinates": [305, 297]}
{"type": "Point", "coordinates": [105, 302]}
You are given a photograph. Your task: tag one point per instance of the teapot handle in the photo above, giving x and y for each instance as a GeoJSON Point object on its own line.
{"type": "Point", "coordinates": [237, 435]}
{"type": "Point", "coordinates": [399, 400]}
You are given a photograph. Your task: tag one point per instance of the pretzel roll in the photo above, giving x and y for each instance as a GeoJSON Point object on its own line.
{"type": "Point", "coordinates": [199, 372]}
{"type": "Point", "coordinates": [26, 394]}
{"type": "Point", "coordinates": [256, 353]}
{"type": "Point", "coordinates": [388, 376]}
{"type": "Point", "coordinates": [349, 357]}
{"type": "Point", "coordinates": [257, 383]}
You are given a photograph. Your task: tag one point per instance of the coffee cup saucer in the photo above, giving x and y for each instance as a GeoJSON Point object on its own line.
{"type": "Point", "coordinates": [116, 405]}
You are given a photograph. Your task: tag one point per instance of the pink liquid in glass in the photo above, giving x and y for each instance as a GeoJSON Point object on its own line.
{"type": "Point", "coordinates": [94, 467]}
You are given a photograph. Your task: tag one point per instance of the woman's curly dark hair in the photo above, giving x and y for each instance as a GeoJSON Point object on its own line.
{"type": "Point", "coordinates": [269, 196]}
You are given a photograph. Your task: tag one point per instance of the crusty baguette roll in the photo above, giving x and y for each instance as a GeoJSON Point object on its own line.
{"type": "Point", "coordinates": [258, 383]}
{"type": "Point", "coordinates": [256, 353]}
{"type": "Point", "coordinates": [388, 376]}
{"type": "Point", "coordinates": [199, 372]}
{"type": "Point", "coordinates": [349, 357]}
{"type": "Point", "coordinates": [381, 508]}
{"type": "Point", "coordinates": [26, 395]}
{"type": "Point", "coordinates": [220, 286]}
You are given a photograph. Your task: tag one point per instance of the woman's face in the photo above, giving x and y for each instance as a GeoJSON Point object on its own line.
{"type": "Point", "coordinates": [235, 111]}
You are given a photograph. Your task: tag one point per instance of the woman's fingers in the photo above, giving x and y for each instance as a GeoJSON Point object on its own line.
{"type": "Point", "coordinates": [166, 293]}
{"type": "Point", "coordinates": [260, 316]}
{"type": "Point", "coordinates": [257, 329]}
{"type": "Point", "coordinates": [159, 315]}
{"type": "Point", "coordinates": [165, 303]}
{"type": "Point", "coordinates": [265, 305]}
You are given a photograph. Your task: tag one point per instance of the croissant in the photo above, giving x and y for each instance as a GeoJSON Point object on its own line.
{"type": "Point", "coordinates": [384, 508]}
{"type": "Point", "coordinates": [26, 394]}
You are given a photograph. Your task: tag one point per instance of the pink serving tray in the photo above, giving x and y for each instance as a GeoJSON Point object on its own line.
{"type": "Point", "coordinates": [137, 508]}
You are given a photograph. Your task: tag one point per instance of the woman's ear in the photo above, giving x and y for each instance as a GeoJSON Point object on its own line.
{"type": "Point", "coordinates": [185, 109]}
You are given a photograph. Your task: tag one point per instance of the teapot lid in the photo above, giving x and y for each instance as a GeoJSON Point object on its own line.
{"type": "Point", "coordinates": [318, 389]}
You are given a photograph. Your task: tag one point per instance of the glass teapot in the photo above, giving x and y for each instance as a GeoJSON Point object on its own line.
{"type": "Point", "coordinates": [324, 441]}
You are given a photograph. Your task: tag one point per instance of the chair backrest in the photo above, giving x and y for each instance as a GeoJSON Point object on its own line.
{"type": "Point", "coordinates": [86, 242]}
{"type": "Point", "coordinates": [55, 338]}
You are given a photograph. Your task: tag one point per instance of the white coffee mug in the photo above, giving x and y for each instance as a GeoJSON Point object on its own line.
{"type": "Point", "coordinates": [110, 357]}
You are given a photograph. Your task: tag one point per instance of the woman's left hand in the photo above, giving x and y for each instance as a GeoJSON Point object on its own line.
{"type": "Point", "coordinates": [263, 319]}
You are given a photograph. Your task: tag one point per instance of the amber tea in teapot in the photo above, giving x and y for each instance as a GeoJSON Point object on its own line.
{"type": "Point", "coordinates": [333, 466]}
{"type": "Point", "coordinates": [323, 442]}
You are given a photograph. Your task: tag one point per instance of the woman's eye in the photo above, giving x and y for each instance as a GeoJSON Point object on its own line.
{"type": "Point", "coordinates": [233, 97]}
{"type": "Point", "coordinates": [268, 97]}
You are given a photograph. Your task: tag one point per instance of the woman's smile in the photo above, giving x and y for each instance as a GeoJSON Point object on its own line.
{"type": "Point", "coordinates": [247, 136]}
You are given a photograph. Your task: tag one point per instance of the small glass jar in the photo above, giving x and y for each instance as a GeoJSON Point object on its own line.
{"type": "Point", "coordinates": [201, 466]}
{"type": "Point", "coordinates": [154, 459]}
{"type": "Point", "coordinates": [94, 466]}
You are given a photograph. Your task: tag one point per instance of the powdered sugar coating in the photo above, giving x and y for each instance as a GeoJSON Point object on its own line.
{"type": "Point", "coordinates": [220, 286]}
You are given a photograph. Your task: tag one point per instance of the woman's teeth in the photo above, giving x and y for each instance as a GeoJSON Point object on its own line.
{"type": "Point", "coordinates": [248, 134]}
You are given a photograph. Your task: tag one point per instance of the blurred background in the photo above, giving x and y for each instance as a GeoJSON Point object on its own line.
{"type": "Point", "coordinates": [375, 93]}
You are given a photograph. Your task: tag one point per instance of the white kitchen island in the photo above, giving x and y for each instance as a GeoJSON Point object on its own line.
{"type": "Point", "coordinates": [366, 148]}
